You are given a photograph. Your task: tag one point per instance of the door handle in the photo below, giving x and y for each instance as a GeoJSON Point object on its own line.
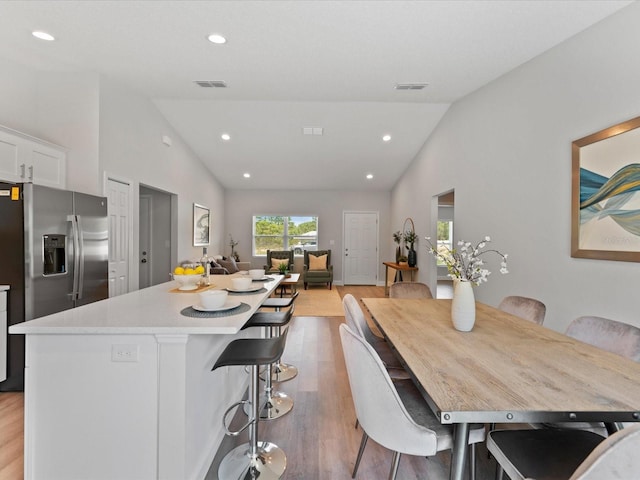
{"type": "Point", "coordinates": [144, 260]}
{"type": "Point", "coordinates": [22, 170]}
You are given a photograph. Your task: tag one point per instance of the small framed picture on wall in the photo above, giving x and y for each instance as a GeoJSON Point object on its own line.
{"type": "Point", "coordinates": [201, 224]}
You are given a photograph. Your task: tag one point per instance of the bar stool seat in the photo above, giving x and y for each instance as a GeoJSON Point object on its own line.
{"type": "Point", "coordinates": [282, 372]}
{"type": "Point", "coordinates": [254, 459]}
{"type": "Point", "coordinates": [273, 404]}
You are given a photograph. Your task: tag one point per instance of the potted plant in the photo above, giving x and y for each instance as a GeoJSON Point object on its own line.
{"type": "Point", "coordinates": [233, 244]}
{"type": "Point", "coordinates": [397, 237]}
{"type": "Point", "coordinates": [283, 270]}
{"type": "Point", "coordinates": [402, 260]}
{"type": "Point", "coordinates": [410, 238]}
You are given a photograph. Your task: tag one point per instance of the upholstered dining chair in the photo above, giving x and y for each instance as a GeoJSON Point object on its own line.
{"type": "Point", "coordinates": [524, 307]}
{"type": "Point", "coordinates": [317, 267]}
{"type": "Point", "coordinates": [276, 257]}
{"type": "Point", "coordinates": [355, 318]}
{"type": "Point", "coordinates": [566, 454]}
{"type": "Point", "coordinates": [410, 290]}
{"type": "Point", "coordinates": [401, 422]}
{"type": "Point", "coordinates": [610, 335]}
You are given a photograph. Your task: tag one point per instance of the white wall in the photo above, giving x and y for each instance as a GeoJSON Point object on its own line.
{"type": "Point", "coordinates": [131, 130]}
{"type": "Point", "coordinates": [506, 150]}
{"type": "Point", "coordinates": [242, 205]}
{"type": "Point", "coordinates": [18, 101]}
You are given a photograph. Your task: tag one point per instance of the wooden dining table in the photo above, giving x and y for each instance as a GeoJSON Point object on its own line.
{"type": "Point", "coordinates": [505, 370]}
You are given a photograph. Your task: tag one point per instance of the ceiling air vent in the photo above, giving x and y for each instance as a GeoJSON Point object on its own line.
{"type": "Point", "coordinates": [211, 83]}
{"type": "Point", "coordinates": [410, 86]}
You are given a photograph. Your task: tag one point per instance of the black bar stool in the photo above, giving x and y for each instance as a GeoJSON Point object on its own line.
{"type": "Point", "coordinates": [273, 404]}
{"type": "Point", "coordinates": [254, 459]}
{"type": "Point", "coordinates": [281, 372]}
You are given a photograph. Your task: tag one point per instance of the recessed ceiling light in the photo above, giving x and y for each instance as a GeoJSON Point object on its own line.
{"type": "Point", "coordinates": [369, 176]}
{"type": "Point", "coordinates": [43, 36]}
{"type": "Point", "coordinates": [225, 136]}
{"type": "Point", "coordinates": [386, 138]}
{"type": "Point", "coordinates": [247, 175]}
{"type": "Point", "coordinates": [217, 39]}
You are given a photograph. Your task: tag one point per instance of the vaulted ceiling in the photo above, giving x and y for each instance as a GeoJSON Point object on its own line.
{"type": "Point", "coordinates": [330, 67]}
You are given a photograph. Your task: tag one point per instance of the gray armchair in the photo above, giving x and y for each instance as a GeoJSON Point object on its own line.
{"type": "Point", "coordinates": [272, 267]}
{"type": "Point", "coordinates": [314, 274]}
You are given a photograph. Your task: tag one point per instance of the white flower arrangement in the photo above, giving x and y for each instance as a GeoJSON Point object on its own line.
{"type": "Point", "coordinates": [464, 263]}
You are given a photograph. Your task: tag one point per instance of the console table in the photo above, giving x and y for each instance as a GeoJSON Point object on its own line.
{"type": "Point", "coordinates": [399, 269]}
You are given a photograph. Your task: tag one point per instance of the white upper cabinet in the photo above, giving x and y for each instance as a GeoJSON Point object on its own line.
{"type": "Point", "coordinates": [27, 159]}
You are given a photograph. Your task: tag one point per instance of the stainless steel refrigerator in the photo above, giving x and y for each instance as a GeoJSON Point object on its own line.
{"type": "Point", "coordinates": [53, 255]}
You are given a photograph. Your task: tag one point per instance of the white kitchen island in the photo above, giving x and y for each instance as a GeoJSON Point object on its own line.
{"type": "Point", "coordinates": [123, 388]}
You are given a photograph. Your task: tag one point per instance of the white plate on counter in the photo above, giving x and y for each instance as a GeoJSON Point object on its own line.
{"type": "Point", "coordinates": [244, 290]}
{"type": "Point", "coordinates": [228, 305]}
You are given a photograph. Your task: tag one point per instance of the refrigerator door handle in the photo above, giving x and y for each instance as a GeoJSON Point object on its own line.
{"type": "Point", "coordinates": [80, 256]}
{"type": "Point", "coordinates": [76, 255]}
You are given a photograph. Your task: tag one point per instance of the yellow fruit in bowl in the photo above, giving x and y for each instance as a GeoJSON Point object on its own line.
{"type": "Point", "coordinates": [179, 271]}
{"type": "Point", "coordinates": [189, 271]}
{"type": "Point", "coordinates": [199, 269]}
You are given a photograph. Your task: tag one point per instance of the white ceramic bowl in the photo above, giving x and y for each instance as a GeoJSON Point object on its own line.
{"type": "Point", "coordinates": [241, 283]}
{"type": "Point", "coordinates": [256, 273]}
{"type": "Point", "coordinates": [213, 298]}
{"type": "Point", "coordinates": [187, 282]}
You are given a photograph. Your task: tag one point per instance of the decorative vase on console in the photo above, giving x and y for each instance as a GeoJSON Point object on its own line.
{"type": "Point", "coordinates": [410, 238]}
{"type": "Point", "coordinates": [466, 268]}
{"type": "Point", "coordinates": [397, 237]}
{"type": "Point", "coordinates": [412, 257]}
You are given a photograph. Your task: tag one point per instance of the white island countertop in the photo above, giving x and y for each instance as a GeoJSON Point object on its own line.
{"type": "Point", "coordinates": [153, 310]}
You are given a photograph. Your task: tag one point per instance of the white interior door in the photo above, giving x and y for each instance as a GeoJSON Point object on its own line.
{"type": "Point", "coordinates": [119, 207]}
{"type": "Point", "coordinates": [144, 269]}
{"type": "Point", "coordinates": [360, 248]}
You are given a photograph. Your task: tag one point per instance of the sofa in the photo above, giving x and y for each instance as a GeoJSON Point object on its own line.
{"type": "Point", "coordinates": [227, 266]}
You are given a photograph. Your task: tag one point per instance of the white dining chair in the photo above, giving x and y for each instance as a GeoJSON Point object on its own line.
{"type": "Point", "coordinates": [524, 307]}
{"type": "Point", "coordinates": [410, 290]}
{"type": "Point", "coordinates": [396, 417]}
{"type": "Point", "coordinates": [355, 318]}
{"type": "Point", "coordinates": [566, 454]}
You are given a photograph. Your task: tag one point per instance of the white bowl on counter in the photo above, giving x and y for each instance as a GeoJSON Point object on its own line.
{"type": "Point", "coordinates": [241, 283]}
{"type": "Point", "coordinates": [213, 298]}
{"type": "Point", "coordinates": [187, 282]}
{"type": "Point", "coordinates": [256, 274]}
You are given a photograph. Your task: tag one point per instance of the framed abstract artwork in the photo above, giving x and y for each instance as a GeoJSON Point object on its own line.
{"type": "Point", "coordinates": [200, 225]}
{"type": "Point", "coordinates": [605, 194]}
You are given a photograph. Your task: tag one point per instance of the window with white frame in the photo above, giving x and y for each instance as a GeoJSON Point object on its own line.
{"type": "Point", "coordinates": [445, 238]}
{"type": "Point", "coordinates": [282, 232]}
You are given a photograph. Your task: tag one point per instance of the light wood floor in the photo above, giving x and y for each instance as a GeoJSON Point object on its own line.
{"type": "Point", "coordinates": [11, 435]}
{"type": "Point", "coordinates": [318, 436]}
